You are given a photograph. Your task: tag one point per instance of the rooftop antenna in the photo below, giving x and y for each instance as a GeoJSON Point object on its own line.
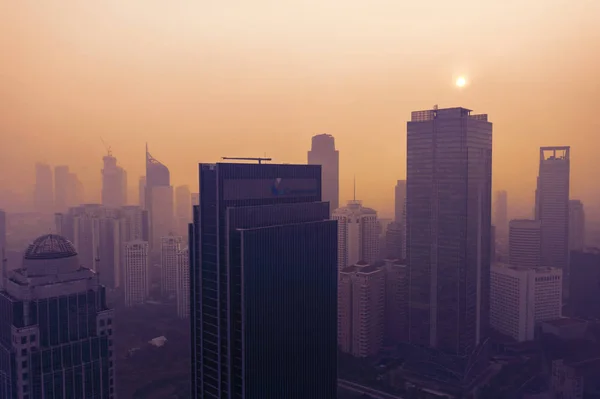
{"type": "Point", "coordinates": [108, 148]}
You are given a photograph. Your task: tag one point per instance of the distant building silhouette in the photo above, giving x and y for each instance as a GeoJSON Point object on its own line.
{"type": "Point", "coordinates": [501, 213]}
{"type": "Point", "coordinates": [394, 241]}
{"type": "Point", "coordinates": [262, 238]}
{"type": "Point", "coordinates": [114, 183]}
{"type": "Point", "coordinates": [183, 209]}
{"type": "Point", "coordinates": [182, 279]}
{"type": "Point", "coordinates": [449, 190]}
{"type": "Point", "coordinates": [142, 192]}
{"type": "Point", "coordinates": [44, 189]}
{"type": "Point", "coordinates": [585, 283]}
{"type": "Point", "coordinates": [62, 185]}
{"type": "Point", "coordinates": [136, 273]}
{"type": "Point", "coordinates": [576, 226]}
{"type": "Point", "coordinates": [396, 301]}
{"type": "Point", "coordinates": [525, 243]}
{"type": "Point", "coordinates": [58, 340]}
{"type": "Point", "coordinates": [170, 247]}
{"type": "Point", "coordinates": [159, 200]}
{"type": "Point", "coordinates": [399, 201]}
{"type": "Point", "coordinates": [552, 208]}
{"type": "Point", "coordinates": [323, 153]}
{"type": "Point", "coordinates": [358, 234]}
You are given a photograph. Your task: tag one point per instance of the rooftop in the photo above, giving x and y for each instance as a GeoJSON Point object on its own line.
{"type": "Point", "coordinates": [50, 246]}
{"type": "Point", "coordinates": [565, 321]}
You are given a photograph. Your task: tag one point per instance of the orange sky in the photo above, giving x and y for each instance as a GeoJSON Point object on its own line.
{"type": "Point", "coordinates": [204, 79]}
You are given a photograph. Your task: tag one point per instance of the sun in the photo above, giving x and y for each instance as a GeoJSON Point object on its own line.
{"type": "Point", "coordinates": [461, 81]}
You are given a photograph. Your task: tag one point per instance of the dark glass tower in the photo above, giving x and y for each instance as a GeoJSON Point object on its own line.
{"type": "Point", "coordinates": [263, 259]}
{"type": "Point", "coordinates": [449, 183]}
{"type": "Point", "coordinates": [56, 331]}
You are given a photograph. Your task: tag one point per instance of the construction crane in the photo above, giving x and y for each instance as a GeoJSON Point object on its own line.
{"type": "Point", "coordinates": [260, 160]}
{"type": "Point", "coordinates": [108, 148]}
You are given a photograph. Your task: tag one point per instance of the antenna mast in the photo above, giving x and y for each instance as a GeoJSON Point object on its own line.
{"type": "Point", "coordinates": [108, 148]}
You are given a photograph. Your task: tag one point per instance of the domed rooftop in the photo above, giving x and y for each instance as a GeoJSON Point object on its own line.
{"type": "Point", "coordinates": [50, 246]}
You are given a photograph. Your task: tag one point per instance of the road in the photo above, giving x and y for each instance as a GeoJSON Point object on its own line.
{"type": "Point", "coordinates": [375, 394]}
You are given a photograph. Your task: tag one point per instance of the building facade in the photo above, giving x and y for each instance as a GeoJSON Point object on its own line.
{"type": "Point", "coordinates": [521, 297]}
{"type": "Point", "coordinates": [136, 273]}
{"type": "Point", "coordinates": [169, 249]}
{"type": "Point", "coordinates": [323, 153]}
{"type": "Point", "coordinates": [576, 226]}
{"type": "Point", "coordinates": [183, 283]}
{"type": "Point", "coordinates": [449, 181]}
{"type": "Point", "coordinates": [358, 234]}
{"type": "Point", "coordinates": [56, 333]}
{"type": "Point", "coordinates": [501, 213]}
{"type": "Point", "coordinates": [43, 192]}
{"type": "Point", "coordinates": [263, 284]}
{"type": "Point", "coordinates": [525, 243]}
{"type": "Point", "coordinates": [183, 209]}
{"type": "Point", "coordinates": [396, 301]}
{"type": "Point", "coordinates": [114, 183]}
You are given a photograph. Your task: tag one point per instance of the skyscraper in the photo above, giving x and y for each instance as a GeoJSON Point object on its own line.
{"type": "Point", "coordinates": [158, 192]}
{"type": "Point", "coordinates": [576, 226]}
{"type": "Point", "coordinates": [183, 209]}
{"type": "Point", "coordinates": [142, 192]}
{"type": "Point", "coordinates": [43, 196]}
{"type": "Point", "coordinates": [170, 247]}
{"type": "Point", "coordinates": [396, 301]}
{"type": "Point", "coordinates": [358, 234]}
{"type": "Point", "coordinates": [75, 192]}
{"type": "Point", "coordinates": [114, 183]}
{"type": "Point", "coordinates": [56, 339]}
{"type": "Point", "coordinates": [62, 185]}
{"type": "Point", "coordinates": [449, 189]}
{"type": "Point", "coordinates": [323, 153]}
{"type": "Point", "coordinates": [552, 208]}
{"type": "Point", "coordinates": [183, 283]}
{"type": "Point", "coordinates": [263, 283]}
{"type": "Point", "coordinates": [525, 243]}
{"type": "Point", "coordinates": [136, 273]}
{"type": "Point", "coordinates": [501, 213]}
{"type": "Point", "coordinates": [195, 199]}
{"type": "Point", "coordinates": [399, 200]}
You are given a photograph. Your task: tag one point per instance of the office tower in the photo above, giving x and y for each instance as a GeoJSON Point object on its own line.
{"type": "Point", "coordinates": [114, 183]}
{"type": "Point", "coordinates": [75, 192]}
{"type": "Point", "coordinates": [576, 226]}
{"type": "Point", "coordinates": [61, 188]}
{"type": "Point", "coordinates": [43, 196]}
{"type": "Point", "coordinates": [95, 233]}
{"type": "Point", "coordinates": [393, 241]}
{"type": "Point", "coordinates": [525, 243]}
{"type": "Point", "coordinates": [449, 179]}
{"type": "Point", "coordinates": [170, 246]}
{"type": "Point", "coordinates": [55, 310]}
{"type": "Point", "coordinates": [361, 311]}
{"type": "Point", "coordinates": [501, 213]}
{"type": "Point", "coordinates": [136, 273]}
{"type": "Point", "coordinates": [158, 192]}
{"type": "Point", "coordinates": [357, 234]}
{"type": "Point", "coordinates": [183, 283]}
{"type": "Point", "coordinates": [585, 284]}
{"type": "Point", "coordinates": [262, 246]}
{"type": "Point", "coordinates": [142, 192]}
{"type": "Point", "coordinates": [396, 301]}
{"type": "Point", "coordinates": [2, 235]}
{"type": "Point", "coordinates": [323, 153]}
{"type": "Point", "coordinates": [521, 297]}
{"type": "Point", "coordinates": [133, 222]}
{"type": "Point", "coordinates": [161, 215]}
{"type": "Point", "coordinates": [195, 199]}
{"type": "Point", "coordinates": [552, 208]}
{"type": "Point", "coordinates": [399, 201]}
{"type": "Point", "coordinates": [183, 209]}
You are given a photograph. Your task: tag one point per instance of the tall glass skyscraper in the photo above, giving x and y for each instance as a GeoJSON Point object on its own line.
{"type": "Point", "coordinates": [263, 261]}
{"type": "Point", "coordinates": [449, 188]}
{"type": "Point", "coordinates": [56, 332]}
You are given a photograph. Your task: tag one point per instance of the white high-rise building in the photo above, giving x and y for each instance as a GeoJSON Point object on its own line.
{"type": "Point", "coordinates": [358, 234]}
{"type": "Point", "coordinates": [576, 226]}
{"type": "Point", "coordinates": [521, 297]}
{"type": "Point", "coordinates": [137, 276]}
{"type": "Point", "coordinates": [361, 307]}
{"type": "Point", "coordinates": [183, 283]}
{"type": "Point", "coordinates": [525, 243]}
{"type": "Point", "coordinates": [170, 246]}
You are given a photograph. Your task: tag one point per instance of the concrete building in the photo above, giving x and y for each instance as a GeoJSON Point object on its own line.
{"type": "Point", "coordinates": [56, 306]}
{"type": "Point", "coordinates": [361, 309]}
{"type": "Point", "coordinates": [114, 183]}
{"type": "Point", "coordinates": [449, 190]}
{"type": "Point", "coordinates": [183, 209]}
{"type": "Point", "coordinates": [170, 247]}
{"type": "Point", "coordinates": [162, 222]}
{"type": "Point", "coordinates": [521, 297]}
{"type": "Point", "coordinates": [136, 273]}
{"type": "Point", "coordinates": [183, 283]}
{"type": "Point", "coordinates": [43, 196]}
{"type": "Point", "coordinates": [399, 201]}
{"type": "Point", "coordinates": [552, 208]}
{"type": "Point", "coordinates": [396, 301]}
{"type": "Point", "coordinates": [358, 237]}
{"type": "Point", "coordinates": [394, 247]}
{"type": "Point", "coordinates": [525, 243]}
{"type": "Point", "coordinates": [576, 226]}
{"type": "Point", "coordinates": [323, 153]}
{"type": "Point", "coordinates": [501, 213]}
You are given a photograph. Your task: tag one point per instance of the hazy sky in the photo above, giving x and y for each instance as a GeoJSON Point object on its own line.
{"type": "Point", "coordinates": [203, 79]}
